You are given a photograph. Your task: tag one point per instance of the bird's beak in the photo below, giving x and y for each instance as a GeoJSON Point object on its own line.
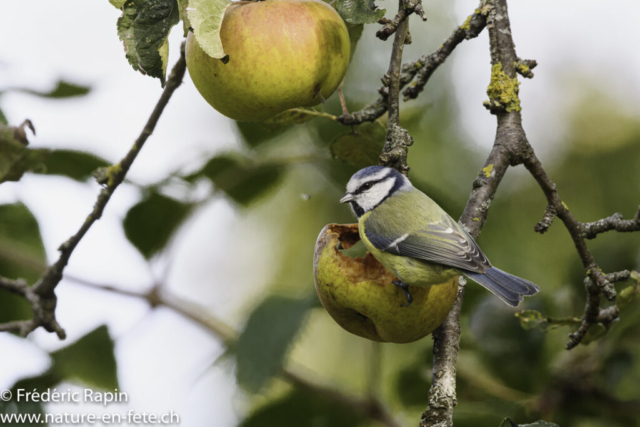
{"type": "Point", "coordinates": [346, 198]}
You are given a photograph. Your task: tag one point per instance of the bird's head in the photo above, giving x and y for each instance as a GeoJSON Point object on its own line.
{"type": "Point", "coordinates": [371, 186]}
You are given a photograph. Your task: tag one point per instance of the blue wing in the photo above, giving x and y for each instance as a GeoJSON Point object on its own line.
{"type": "Point", "coordinates": [443, 242]}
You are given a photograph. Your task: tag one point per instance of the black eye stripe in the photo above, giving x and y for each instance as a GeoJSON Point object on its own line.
{"type": "Point", "coordinates": [370, 184]}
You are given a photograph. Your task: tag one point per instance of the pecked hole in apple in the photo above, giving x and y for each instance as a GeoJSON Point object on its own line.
{"type": "Point", "coordinates": [358, 293]}
{"type": "Point", "coordinates": [357, 267]}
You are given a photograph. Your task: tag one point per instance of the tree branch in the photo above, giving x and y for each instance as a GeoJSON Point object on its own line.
{"type": "Point", "coordinates": [42, 315]}
{"type": "Point", "coordinates": [509, 146]}
{"type": "Point", "coordinates": [390, 26]}
{"type": "Point", "coordinates": [425, 66]}
{"type": "Point", "coordinates": [572, 225]}
{"type": "Point", "coordinates": [396, 147]}
{"type": "Point", "coordinates": [614, 222]}
{"type": "Point", "coordinates": [42, 295]}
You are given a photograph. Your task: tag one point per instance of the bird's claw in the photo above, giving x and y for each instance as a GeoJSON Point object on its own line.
{"type": "Point", "coordinates": [405, 289]}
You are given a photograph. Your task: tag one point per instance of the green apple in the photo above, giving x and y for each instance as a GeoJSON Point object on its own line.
{"type": "Point", "coordinates": [282, 54]}
{"type": "Point", "coordinates": [359, 294]}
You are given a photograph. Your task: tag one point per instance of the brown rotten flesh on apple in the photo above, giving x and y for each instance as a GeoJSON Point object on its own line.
{"type": "Point", "coordinates": [359, 294]}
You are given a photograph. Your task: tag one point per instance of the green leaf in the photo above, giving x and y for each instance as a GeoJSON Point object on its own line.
{"type": "Point", "coordinates": [263, 344]}
{"type": "Point", "coordinates": [73, 164]}
{"type": "Point", "coordinates": [206, 19]}
{"type": "Point", "coordinates": [63, 89]}
{"type": "Point", "coordinates": [22, 253]}
{"type": "Point", "coordinates": [241, 179]}
{"type": "Point", "coordinates": [303, 409]}
{"type": "Point", "coordinates": [256, 133]}
{"type": "Point", "coordinates": [3, 118]}
{"type": "Point", "coordinates": [361, 147]}
{"type": "Point", "coordinates": [184, 16]}
{"type": "Point", "coordinates": [508, 423]}
{"type": "Point", "coordinates": [15, 157]}
{"type": "Point", "coordinates": [117, 3]}
{"type": "Point", "coordinates": [359, 11]}
{"type": "Point", "coordinates": [89, 361]}
{"type": "Point", "coordinates": [532, 319]}
{"type": "Point", "coordinates": [630, 293]}
{"type": "Point", "coordinates": [150, 224]}
{"type": "Point", "coordinates": [144, 28]}
{"type": "Point", "coordinates": [355, 33]}
{"type": "Point", "coordinates": [22, 256]}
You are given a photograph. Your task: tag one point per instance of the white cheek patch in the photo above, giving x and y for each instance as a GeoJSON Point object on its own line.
{"type": "Point", "coordinates": [372, 198]}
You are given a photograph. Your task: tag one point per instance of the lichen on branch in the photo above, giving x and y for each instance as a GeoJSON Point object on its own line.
{"type": "Point", "coordinates": [502, 91]}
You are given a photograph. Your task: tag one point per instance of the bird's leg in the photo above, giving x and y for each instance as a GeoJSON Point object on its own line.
{"type": "Point", "coordinates": [405, 289]}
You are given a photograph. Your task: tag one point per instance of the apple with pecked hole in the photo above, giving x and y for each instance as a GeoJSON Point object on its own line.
{"type": "Point", "coordinates": [282, 54]}
{"type": "Point", "coordinates": [359, 294]}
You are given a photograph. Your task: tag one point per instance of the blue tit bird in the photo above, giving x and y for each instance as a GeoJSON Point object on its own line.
{"type": "Point", "coordinates": [417, 240]}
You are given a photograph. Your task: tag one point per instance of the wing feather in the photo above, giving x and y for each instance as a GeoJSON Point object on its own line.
{"type": "Point", "coordinates": [443, 242]}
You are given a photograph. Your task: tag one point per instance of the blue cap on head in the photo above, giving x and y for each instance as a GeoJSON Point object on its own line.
{"type": "Point", "coordinates": [372, 170]}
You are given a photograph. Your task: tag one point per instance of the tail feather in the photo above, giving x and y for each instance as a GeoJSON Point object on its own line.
{"type": "Point", "coordinates": [509, 288]}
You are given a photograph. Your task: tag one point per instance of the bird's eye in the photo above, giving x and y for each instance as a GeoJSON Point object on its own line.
{"type": "Point", "coordinates": [366, 186]}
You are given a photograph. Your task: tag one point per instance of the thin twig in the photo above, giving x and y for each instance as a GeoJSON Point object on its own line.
{"type": "Point", "coordinates": [547, 220]}
{"type": "Point", "coordinates": [42, 295]}
{"type": "Point", "coordinates": [390, 26]}
{"type": "Point", "coordinates": [425, 66]}
{"type": "Point", "coordinates": [470, 29]}
{"type": "Point", "coordinates": [572, 225]}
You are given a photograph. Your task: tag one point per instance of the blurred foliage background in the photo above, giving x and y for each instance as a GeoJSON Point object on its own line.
{"type": "Point", "coordinates": [285, 181]}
